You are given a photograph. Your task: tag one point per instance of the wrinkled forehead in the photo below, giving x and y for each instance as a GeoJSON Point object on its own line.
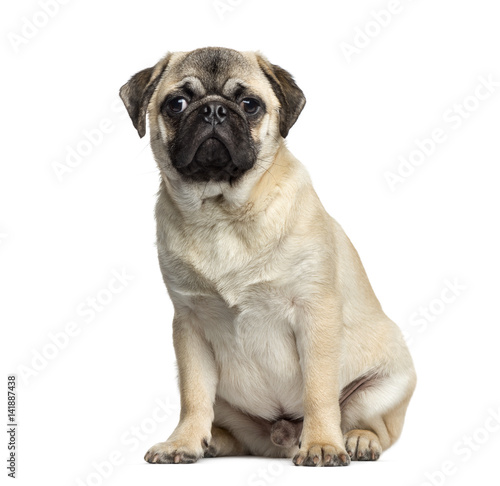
{"type": "Point", "coordinates": [212, 70]}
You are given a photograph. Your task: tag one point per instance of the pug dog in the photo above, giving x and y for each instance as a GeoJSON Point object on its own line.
{"type": "Point", "coordinates": [282, 348]}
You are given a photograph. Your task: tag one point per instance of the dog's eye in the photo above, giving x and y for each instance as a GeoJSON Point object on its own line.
{"type": "Point", "coordinates": [178, 104]}
{"type": "Point", "coordinates": [250, 106]}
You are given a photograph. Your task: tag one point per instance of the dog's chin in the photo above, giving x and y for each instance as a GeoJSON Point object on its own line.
{"type": "Point", "coordinates": [212, 162]}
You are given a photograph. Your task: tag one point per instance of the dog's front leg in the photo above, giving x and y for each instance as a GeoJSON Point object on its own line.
{"type": "Point", "coordinates": [197, 383]}
{"type": "Point", "coordinates": [318, 331]}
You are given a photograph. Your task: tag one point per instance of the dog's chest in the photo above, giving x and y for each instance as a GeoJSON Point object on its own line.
{"type": "Point", "coordinates": [219, 262]}
{"type": "Point", "coordinates": [244, 312]}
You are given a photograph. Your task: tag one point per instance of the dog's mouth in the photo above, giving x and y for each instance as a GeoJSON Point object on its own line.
{"type": "Point", "coordinates": [212, 153]}
{"type": "Point", "coordinates": [212, 161]}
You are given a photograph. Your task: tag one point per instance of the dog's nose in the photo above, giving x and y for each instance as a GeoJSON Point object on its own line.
{"type": "Point", "coordinates": [214, 112]}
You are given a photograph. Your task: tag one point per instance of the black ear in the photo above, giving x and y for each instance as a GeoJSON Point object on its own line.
{"type": "Point", "coordinates": [137, 93]}
{"type": "Point", "coordinates": [290, 96]}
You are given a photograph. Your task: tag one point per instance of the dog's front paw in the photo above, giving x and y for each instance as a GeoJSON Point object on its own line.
{"type": "Point", "coordinates": [322, 455]}
{"type": "Point", "coordinates": [175, 452]}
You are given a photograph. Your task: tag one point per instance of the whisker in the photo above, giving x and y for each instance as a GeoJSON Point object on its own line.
{"type": "Point", "coordinates": [144, 148]}
{"type": "Point", "coordinates": [277, 165]}
{"type": "Point", "coordinates": [262, 167]}
{"type": "Point", "coordinates": [149, 172]}
{"type": "Point", "coordinates": [203, 193]}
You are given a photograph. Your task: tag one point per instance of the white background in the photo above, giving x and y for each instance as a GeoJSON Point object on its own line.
{"type": "Point", "coordinates": [61, 238]}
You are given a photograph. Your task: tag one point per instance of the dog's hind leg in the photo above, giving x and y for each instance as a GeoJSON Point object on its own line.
{"type": "Point", "coordinates": [373, 410]}
{"type": "Point", "coordinates": [223, 443]}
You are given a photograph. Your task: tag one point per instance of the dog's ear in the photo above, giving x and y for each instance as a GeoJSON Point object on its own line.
{"type": "Point", "coordinates": [137, 93]}
{"type": "Point", "coordinates": [290, 96]}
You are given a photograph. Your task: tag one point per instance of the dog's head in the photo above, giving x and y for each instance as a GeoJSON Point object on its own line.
{"type": "Point", "coordinates": [213, 112]}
